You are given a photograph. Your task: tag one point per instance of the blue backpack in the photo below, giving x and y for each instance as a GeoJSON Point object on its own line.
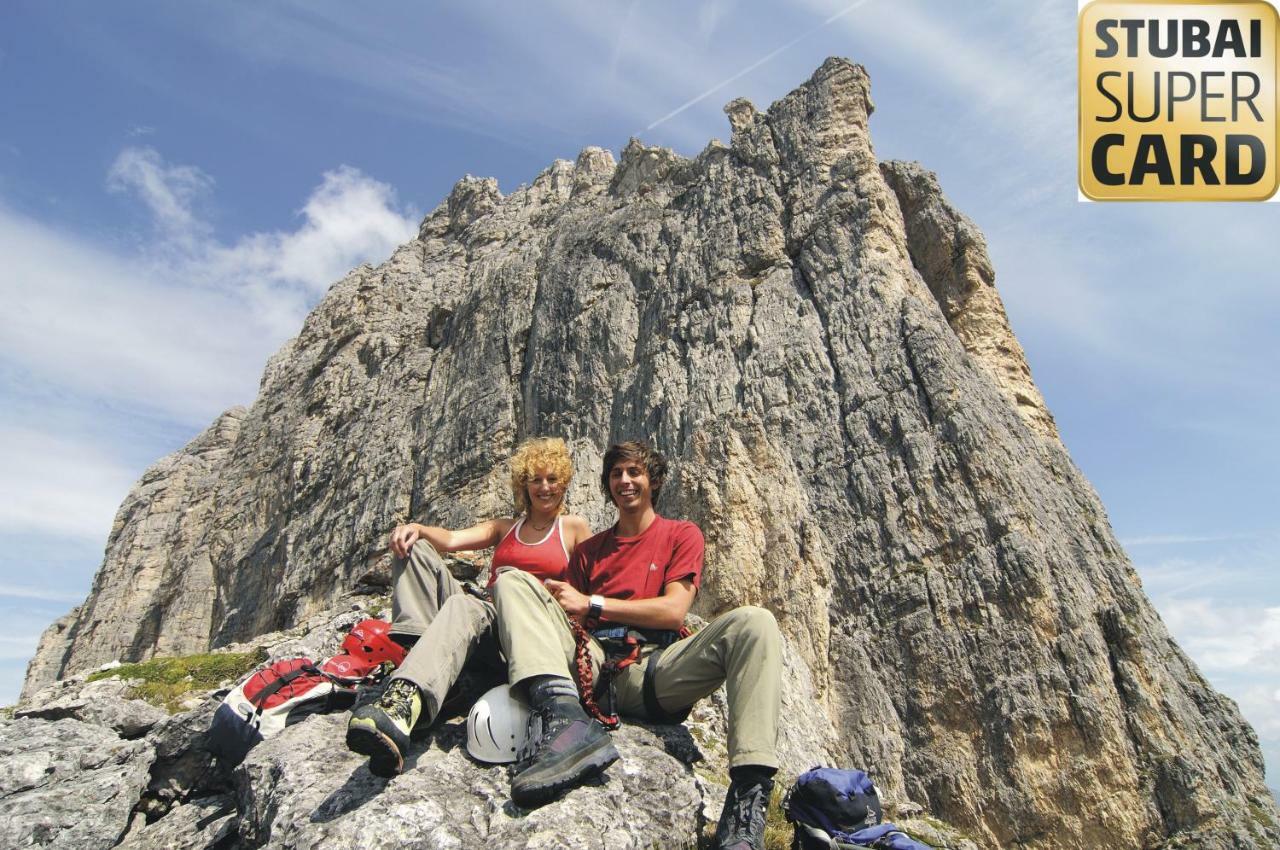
{"type": "Point", "coordinates": [833, 808]}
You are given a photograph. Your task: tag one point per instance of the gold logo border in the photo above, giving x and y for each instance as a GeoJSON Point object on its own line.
{"type": "Point", "coordinates": [1080, 152]}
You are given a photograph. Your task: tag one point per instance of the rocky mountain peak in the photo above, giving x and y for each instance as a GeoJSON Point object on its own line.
{"type": "Point", "coordinates": [815, 339]}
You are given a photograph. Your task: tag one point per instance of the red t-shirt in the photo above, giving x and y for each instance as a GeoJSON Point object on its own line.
{"type": "Point", "coordinates": [638, 567]}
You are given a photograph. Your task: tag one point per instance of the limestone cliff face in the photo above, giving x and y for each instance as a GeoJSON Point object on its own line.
{"type": "Point", "coordinates": [814, 338]}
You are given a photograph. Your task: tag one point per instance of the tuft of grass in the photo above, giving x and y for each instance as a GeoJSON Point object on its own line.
{"type": "Point", "coordinates": [166, 681]}
{"type": "Point", "coordinates": [944, 832]}
{"type": "Point", "coordinates": [777, 830]}
{"type": "Point", "coordinates": [1260, 815]}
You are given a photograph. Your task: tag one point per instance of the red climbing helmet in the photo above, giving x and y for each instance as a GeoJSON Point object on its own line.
{"type": "Point", "coordinates": [371, 640]}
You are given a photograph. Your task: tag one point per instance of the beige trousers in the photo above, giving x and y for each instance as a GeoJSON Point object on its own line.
{"type": "Point", "coordinates": [453, 625]}
{"type": "Point", "coordinates": [741, 649]}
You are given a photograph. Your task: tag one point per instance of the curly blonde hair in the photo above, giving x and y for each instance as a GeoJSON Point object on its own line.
{"type": "Point", "coordinates": [549, 453]}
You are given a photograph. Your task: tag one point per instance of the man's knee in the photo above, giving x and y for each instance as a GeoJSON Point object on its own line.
{"type": "Point", "coordinates": [754, 620]}
{"type": "Point", "coordinates": [422, 550]}
{"type": "Point", "coordinates": [514, 581]}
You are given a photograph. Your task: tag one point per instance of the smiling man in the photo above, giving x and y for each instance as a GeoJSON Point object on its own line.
{"type": "Point", "coordinates": [639, 578]}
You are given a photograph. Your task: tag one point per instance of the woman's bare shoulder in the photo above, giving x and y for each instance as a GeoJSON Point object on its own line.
{"type": "Point", "coordinates": [577, 522]}
{"type": "Point", "coordinates": [578, 527]}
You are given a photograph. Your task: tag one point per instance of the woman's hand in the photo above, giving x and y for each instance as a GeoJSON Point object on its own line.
{"type": "Point", "coordinates": [573, 602]}
{"type": "Point", "coordinates": [403, 538]}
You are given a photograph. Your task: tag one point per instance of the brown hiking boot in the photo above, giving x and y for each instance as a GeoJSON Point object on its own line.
{"type": "Point", "coordinates": [561, 752]}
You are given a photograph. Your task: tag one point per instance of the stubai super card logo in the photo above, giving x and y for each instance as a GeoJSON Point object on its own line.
{"type": "Point", "coordinates": [1178, 101]}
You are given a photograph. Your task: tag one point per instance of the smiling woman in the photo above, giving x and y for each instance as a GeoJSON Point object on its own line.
{"type": "Point", "coordinates": [543, 460]}
{"type": "Point", "coordinates": [449, 626]}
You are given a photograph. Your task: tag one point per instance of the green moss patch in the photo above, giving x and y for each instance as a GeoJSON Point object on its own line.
{"type": "Point", "coordinates": [166, 681]}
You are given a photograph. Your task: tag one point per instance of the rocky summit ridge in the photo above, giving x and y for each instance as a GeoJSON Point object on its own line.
{"type": "Point", "coordinates": [815, 339]}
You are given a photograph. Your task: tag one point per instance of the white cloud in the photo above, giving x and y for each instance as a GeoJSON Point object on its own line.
{"type": "Point", "coordinates": [38, 594]}
{"type": "Point", "coordinates": [1224, 612]}
{"type": "Point", "coordinates": [1179, 539]}
{"type": "Point", "coordinates": [1174, 578]}
{"type": "Point", "coordinates": [17, 648]}
{"type": "Point", "coordinates": [710, 13]}
{"type": "Point", "coordinates": [1225, 638]}
{"type": "Point", "coordinates": [122, 329]}
{"type": "Point", "coordinates": [1261, 703]}
{"type": "Point", "coordinates": [758, 63]}
{"type": "Point", "coordinates": [388, 66]}
{"type": "Point", "coordinates": [348, 218]}
{"type": "Point", "coordinates": [57, 486]}
{"type": "Point", "coordinates": [635, 62]}
{"type": "Point", "coordinates": [1010, 77]}
{"type": "Point", "coordinates": [169, 191]}
{"type": "Point", "coordinates": [179, 332]}
{"type": "Point", "coordinates": [621, 39]}
{"type": "Point", "coordinates": [184, 328]}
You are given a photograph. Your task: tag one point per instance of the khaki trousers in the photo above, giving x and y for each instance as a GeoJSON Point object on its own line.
{"type": "Point", "coordinates": [453, 626]}
{"type": "Point", "coordinates": [741, 649]}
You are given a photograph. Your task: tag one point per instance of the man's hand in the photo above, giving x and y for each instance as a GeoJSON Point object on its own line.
{"type": "Point", "coordinates": [403, 538]}
{"type": "Point", "coordinates": [573, 602]}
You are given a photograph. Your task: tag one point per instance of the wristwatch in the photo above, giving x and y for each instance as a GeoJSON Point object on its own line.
{"type": "Point", "coordinates": [595, 609]}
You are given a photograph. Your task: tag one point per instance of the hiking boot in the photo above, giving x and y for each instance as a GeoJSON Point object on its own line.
{"type": "Point", "coordinates": [741, 824]}
{"type": "Point", "coordinates": [381, 730]}
{"type": "Point", "coordinates": [561, 751]}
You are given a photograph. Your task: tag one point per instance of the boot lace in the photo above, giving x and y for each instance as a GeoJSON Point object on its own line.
{"type": "Point", "coordinates": [397, 700]}
{"type": "Point", "coordinates": [544, 724]}
{"type": "Point", "coordinates": [535, 731]}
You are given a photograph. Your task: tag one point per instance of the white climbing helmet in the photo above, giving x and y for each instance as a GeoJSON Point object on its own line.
{"type": "Point", "coordinates": [497, 726]}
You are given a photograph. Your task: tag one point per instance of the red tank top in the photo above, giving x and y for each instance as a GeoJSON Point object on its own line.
{"type": "Point", "coordinates": [548, 558]}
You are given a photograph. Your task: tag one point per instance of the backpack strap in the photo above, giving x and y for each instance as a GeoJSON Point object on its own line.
{"type": "Point", "coordinates": [805, 836]}
{"type": "Point", "coordinates": [283, 680]}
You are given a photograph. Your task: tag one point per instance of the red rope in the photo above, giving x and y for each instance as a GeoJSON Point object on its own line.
{"type": "Point", "coordinates": [586, 684]}
{"type": "Point", "coordinates": [582, 669]}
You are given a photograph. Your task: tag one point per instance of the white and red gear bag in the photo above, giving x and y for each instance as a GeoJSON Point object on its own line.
{"type": "Point", "coordinates": [288, 691]}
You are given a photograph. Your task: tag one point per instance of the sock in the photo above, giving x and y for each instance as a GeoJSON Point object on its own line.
{"type": "Point", "coordinates": [555, 691]}
{"type": "Point", "coordinates": [751, 774]}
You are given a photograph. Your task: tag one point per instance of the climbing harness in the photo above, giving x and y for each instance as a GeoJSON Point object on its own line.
{"type": "Point", "coordinates": [623, 647]}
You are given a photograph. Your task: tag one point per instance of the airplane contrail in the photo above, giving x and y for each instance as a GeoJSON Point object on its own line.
{"type": "Point", "coordinates": [756, 64]}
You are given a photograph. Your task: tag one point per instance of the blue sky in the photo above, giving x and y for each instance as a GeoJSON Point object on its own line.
{"type": "Point", "coordinates": [180, 182]}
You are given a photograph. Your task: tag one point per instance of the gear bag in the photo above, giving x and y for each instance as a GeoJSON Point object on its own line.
{"type": "Point", "coordinates": [832, 808]}
{"type": "Point", "coordinates": [280, 694]}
